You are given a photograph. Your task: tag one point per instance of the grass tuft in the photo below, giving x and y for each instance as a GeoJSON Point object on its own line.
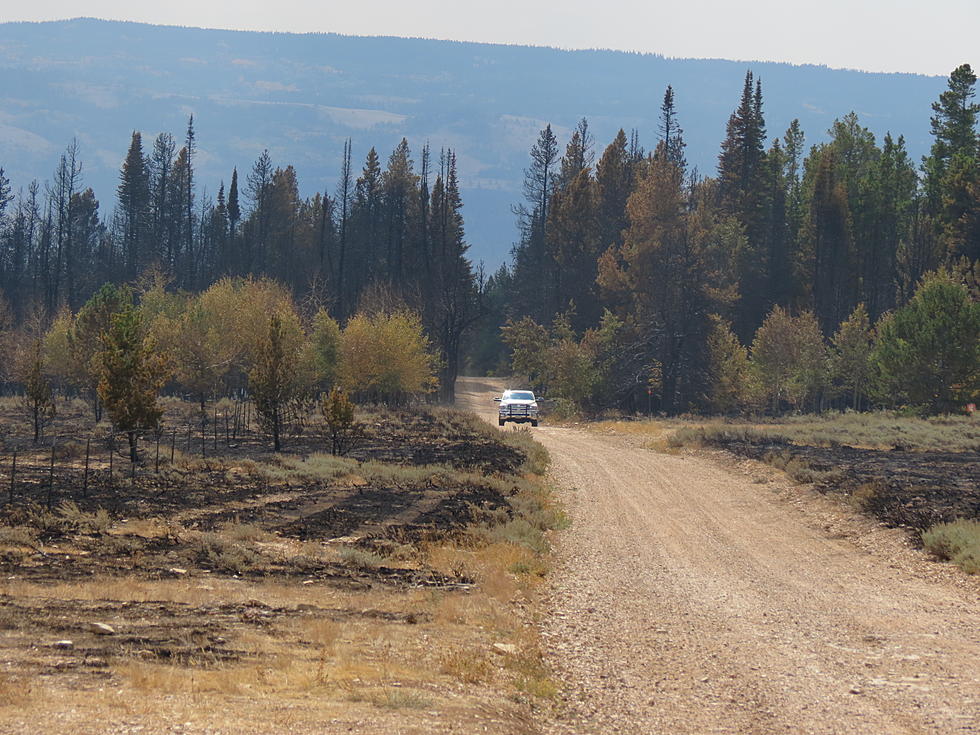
{"type": "Point", "coordinates": [958, 542]}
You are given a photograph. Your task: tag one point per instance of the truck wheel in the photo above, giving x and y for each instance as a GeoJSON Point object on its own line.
{"type": "Point", "coordinates": [500, 422]}
{"type": "Point", "coordinates": [534, 422]}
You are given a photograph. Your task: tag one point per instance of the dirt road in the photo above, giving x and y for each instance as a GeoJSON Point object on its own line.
{"type": "Point", "coordinates": [691, 598]}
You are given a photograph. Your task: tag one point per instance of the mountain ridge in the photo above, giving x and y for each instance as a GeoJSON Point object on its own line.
{"type": "Point", "coordinates": [302, 94]}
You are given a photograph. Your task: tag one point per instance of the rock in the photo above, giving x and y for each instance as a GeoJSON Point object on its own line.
{"type": "Point", "coordinates": [177, 571]}
{"type": "Point", "coordinates": [855, 690]}
{"type": "Point", "coordinates": [509, 648]}
{"type": "Point", "coordinates": [64, 645]}
{"type": "Point", "coordinates": [100, 628]}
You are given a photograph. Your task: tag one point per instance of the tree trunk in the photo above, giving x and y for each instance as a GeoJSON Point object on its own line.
{"type": "Point", "coordinates": [133, 456]}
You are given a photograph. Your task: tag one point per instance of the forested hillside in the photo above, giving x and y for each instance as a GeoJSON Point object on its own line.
{"type": "Point", "coordinates": [797, 276]}
{"type": "Point", "coordinates": [640, 282]}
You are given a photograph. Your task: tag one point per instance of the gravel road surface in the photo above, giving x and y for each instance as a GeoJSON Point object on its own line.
{"type": "Point", "coordinates": [691, 596]}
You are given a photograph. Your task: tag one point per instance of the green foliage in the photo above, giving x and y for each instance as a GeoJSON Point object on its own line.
{"type": "Point", "coordinates": [789, 359]}
{"type": "Point", "coordinates": [927, 354]}
{"type": "Point", "coordinates": [325, 339]}
{"type": "Point", "coordinates": [528, 342]}
{"type": "Point", "coordinates": [387, 357]}
{"type": "Point", "coordinates": [728, 369]}
{"type": "Point", "coordinates": [338, 415]}
{"type": "Point", "coordinates": [131, 373]}
{"type": "Point", "coordinates": [84, 339]}
{"type": "Point", "coordinates": [851, 358]}
{"type": "Point", "coordinates": [277, 379]}
{"type": "Point", "coordinates": [38, 397]}
{"type": "Point", "coordinates": [958, 542]}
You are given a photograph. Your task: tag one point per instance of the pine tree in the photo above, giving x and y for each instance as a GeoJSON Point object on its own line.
{"type": "Point", "coordinates": [134, 204]}
{"type": "Point", "coordinates": [927, 353]}
{"type": "Point", "coordinates": [30, 371]}
{"type": "Point", "coordinates": [84, 337]}
{"type": "Point", "coordinates": [579, 155]}
{"type": "Point", "coordinates": [343, 198]}
{"type": "Point", "coordinates": [256, 228]}
{"type": "Point", "coordinates": [188, 200]}
{"type": "Point", "coordinates": [742, 190]}
{"type": "Point", "coordinates": [829, 235]}
{"type": "Point", "coordinates": [531, 261]}
{"type": "Point", "coordinates": [671, 132]}
{"type": "Point", "coordinates": [131, 374]}
{"type": "Point", "coordinates": [276, 379]}
{"type": "Point", "coordinates": [366, 215]}
{"type": "Point", "coordinates": [398, 183]}
{"type": "Point", "coordinates": [952, 180]}
{"type": "Point", "coordinates": [613, 179]}
{"type": "Point", "coordinates": [159, 172]}
{"type": "Point", "coordinates": [452, 299]}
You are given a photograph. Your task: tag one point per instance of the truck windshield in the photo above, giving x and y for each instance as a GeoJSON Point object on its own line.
{"type": "Point", "coordinates": [521, 395]}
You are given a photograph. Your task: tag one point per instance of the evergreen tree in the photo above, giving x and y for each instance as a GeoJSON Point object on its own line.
{"type": "Point", "coordinates": [927, 353]}
{"type": "Point", "coordinates": [131, 374]}
{"type": "Point", "coordinates": [134, 205]}
{"type": "Point", "coordinates": [951, 177]}
{"type": "Point", "coordinates": [366, 213]}
{"type": "Point", "coordinates": [530, 255]}
{"type": "Point", "coordinates": [452, 296]}
{"type": "Point", "coordinates": [742, 190]}
{"type": "Point", "coordinates": [343, 198]}
{"type": "Point", "coordinates": [613, 180]}
{"type": "Point", "coordinates": [159, 172]}
{"type": "Point", "coordinates": [671, 132]}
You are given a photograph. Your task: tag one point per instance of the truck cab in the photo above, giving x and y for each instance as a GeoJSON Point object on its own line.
{"type": "Point", "coordinates": [519, 406]}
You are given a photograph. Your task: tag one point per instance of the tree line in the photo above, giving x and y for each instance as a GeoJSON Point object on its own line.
{"type": "Point", "coordinates": [392, 231]}
{"type": "Point", "coordinates": [124, 346]}
{"type": "Point", "coordinates": [635, 276]}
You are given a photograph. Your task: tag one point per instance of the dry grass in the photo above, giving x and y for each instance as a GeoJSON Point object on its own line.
{"type": "Point", "coordinates": [872, 430]}
{"type": "Point", "coordinates": [365, 658]}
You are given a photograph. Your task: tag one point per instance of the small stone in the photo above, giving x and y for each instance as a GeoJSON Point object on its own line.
{"type": "Point", "coordinates": [100, 628]}
{"type": "Point", "coordinates": [508, 648]}
{"type": "Point", "coordinates": [177, 571]}
{"type": "Point", "coordinates": [308, 581]}
{"type": "Point", "coordinates": [64, 645]}
{"type": "Point", "coordinates": [855, 690]}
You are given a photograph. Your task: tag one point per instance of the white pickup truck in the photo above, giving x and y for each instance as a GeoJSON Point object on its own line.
{"type": "Point", "coordinates": [518, 406]}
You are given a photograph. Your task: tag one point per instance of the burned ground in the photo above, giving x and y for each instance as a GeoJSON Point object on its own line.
{"type": "Point", "coordinates": [908, 489]}
{"type": "Point", "coordinates": [314, 527]}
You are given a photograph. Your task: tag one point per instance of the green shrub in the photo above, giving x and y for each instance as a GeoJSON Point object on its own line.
{"type": "Point", "coordinates": [18, 536]}
{"type": "Point", "coordinates": [218, 552]}
{"type": "Point", "coordinates": [360, 559]}
{"type": "Point", "coordinates": [958, 542]}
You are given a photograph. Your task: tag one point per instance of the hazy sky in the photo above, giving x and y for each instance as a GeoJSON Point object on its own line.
{"type": "Point", "coordinates": [924, 36]}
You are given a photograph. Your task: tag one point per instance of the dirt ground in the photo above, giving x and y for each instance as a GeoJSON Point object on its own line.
{"type": "Point", "coordinates": [699, 594]}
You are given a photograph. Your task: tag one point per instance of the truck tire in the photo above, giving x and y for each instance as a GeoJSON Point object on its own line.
{"type": "Point", "coordinates": [500, 422]}
{"type": "Point", "coordinates": [534, 422]}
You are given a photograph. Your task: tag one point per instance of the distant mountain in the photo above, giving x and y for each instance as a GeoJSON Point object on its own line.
{"type": "Point", "coordinates": [302, 95]}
